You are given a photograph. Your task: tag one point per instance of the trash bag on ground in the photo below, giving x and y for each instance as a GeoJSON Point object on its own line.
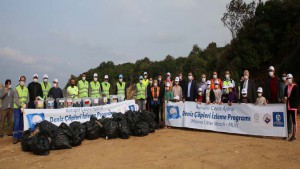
{"type": "Point", "coordinates": [92, 128]}
{"type": "Point", "coordinates": [26, 140]}
{"type": "Point", "coordinates": [40, 143]}
{"type": "Point", "coordinates": [132, 119]}
{"type": "Point", "coordinates": [102, 122]}
{"type": "Point", "coordinates": [122, 127]}
{"type": "Point", "coordinates": [47, 126]}
{"type": "Point", "coordinates": [78, 131]}
{"type": "Point", "coordinates": [62, 137]}
{"type": "Point", "coordinates": [149, 118]}
{"type": "Point", "coordinates": [141, 129]}
{"type": "Point", "coordinates": [111, 129]}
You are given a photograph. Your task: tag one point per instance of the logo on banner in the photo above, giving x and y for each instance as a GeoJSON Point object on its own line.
{"type": "Point", "coordinates": [173, 112]}
{"type": "Point", "coordinates": [131, 108]}
{"type": "Point", "coordinates": [278, 119]}
{"type": "Point", "coordinates": [34, 118]}
{"type": "Point", "coordinates": [267, 118]}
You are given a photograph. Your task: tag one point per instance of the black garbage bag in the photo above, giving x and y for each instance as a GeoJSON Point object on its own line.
{"type": "Point", "coordinates": [123, 129]}
{"type": "Point", "coordinates": [148, 118]}
{"type": "Point", "coordinates": [47, 126]}
{"type": "Point", "coordinates": [40, 143]}
{"type": "Point", "coordinates": [102, 123]}
{"type": "Point", "coordinates": [92, 128]}
{"type": "Point", "coordinates": [132, 119]}
{"type": "Point", "coordinates": [62, 137]}
{"type": "Point", "coordinates": [111, 129]}
{"type": "Point", "coordinates": [78, 131]}
{"type": "Point", "coordinates": [141, 129]}
{"type": "Point", "coordinates": [118, 116]}
{"type": "Point", "coordinates": [26, 140]}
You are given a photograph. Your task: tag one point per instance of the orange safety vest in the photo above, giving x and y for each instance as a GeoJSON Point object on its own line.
{"type": "Point", "coordinates": [212, 86]}
{"type": "Point", "coordinates": [153, 91]}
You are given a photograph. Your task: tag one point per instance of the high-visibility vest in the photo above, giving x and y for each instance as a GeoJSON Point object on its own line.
{"type": "Point", "coordinates": [45, 89]}
{"type": "Point", "coordinates": [95, 88]}
{"type": "Point", "coordinates": [153, 92]}
{"type": "Point", "coordinates": [72, 91]}
{"type": "Point", "coordinates": [141, 91]}
{"type": "Point", "coordinates": [23, 95]}
{"type": "Point", "coordinates": [121, 89]}
{"type": "Point", "coordinates": [212, 86]}
{"type": "Point", "coordinates": [227, 83]}
{"type": "Point", "coordinates": [145, 82]}
{"type": "Point", "coordinates": [83, 89]}
{"type": "Point", "coordinates": [105, 89]}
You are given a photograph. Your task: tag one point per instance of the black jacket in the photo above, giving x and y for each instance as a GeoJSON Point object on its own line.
{"type": "Point", "coordinates": [182, 84]}
{"type": "Point", "coordinates": [267, 92]}
{"type": "Point", "coordinates": [294, 97]}
{"type": "Point", "coordinates": [251, 92]}
{"type": "Point", "coordinates": [34, 90]}
{"type": "Point", "coordinates": [193, 90]}
{"type": "Point", "coordinates": [212, 96]}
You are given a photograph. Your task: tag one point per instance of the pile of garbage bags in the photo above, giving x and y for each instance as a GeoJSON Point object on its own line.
{"type": "Point", "coordinates": [47, 136]}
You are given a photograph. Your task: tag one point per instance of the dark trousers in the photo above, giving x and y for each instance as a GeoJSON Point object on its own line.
{"type": "Point", "coordinates": [292, 124]}
{"type": "Point", "coordinates": [6, 115]}
{"type": "Point", "coordinates": [155, 109]}
{"type": "Point", "coordinates": [18, 124]}
{"type": "Point", "coordinates": [31, 105]}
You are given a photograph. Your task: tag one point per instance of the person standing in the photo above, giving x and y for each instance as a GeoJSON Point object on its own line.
{"type": "Point", "coordinates": [121, 88]}
{"type": "Point", "coordinates": [227, 81]}
{"type": "Point", "coordinates": [55, 92]}
{"type": "Point", "coordinates": [72, 90]}
{"type": "Point", "coordinates": [35, 90]}
{"type": "Point", "coordinates": [203, 84]}
{"type": "Point", "coordinates": [7, 97]}
{"type": "Point", "coordinates": [150, 85]}
{"type": "Point", "coordinates": [282, 86]}
{"type": "Point", "coordinates": [141, 94]}
{"type": "Point", "coordinates": [21, 99]}
{"type": "Point", "coordinates": [182, 83]}
{"type": "Point", "coordinates": [155, 100]}
{"type": "Point", "coordinates": [83, 87]}
{"type": "Point", "coordinates": [215, 78]}
{"type": "Point", "coordinates": [271, 88]}
{"type": "Point", "coordinates": [249, 86]}
{"type": "Point", "coordinates": [95, 87]}
{"type": "Point", "coordinates": [177, 90]}
{"type": "Point", "coordinates": [145, 80]}
{"type": "Point", "coordinates": [105, 87]}
{"type": "Point", "coordinates": [209, 95]}
{"type": "Point", "coordinates": [191, 88]}
{"type": "Point", "coordinates": [46, 86]}
{"type": "Point", "coordinates": [291, 98]}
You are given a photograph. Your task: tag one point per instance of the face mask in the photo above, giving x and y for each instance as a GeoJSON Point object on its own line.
{"type": "Point", "coordinates": [35, 80]}
{"type": "Point", "coordinates": [9, 86]}
{"type": "Point", "coordinates": [150, 82]}
{"type": "Point", "coordinates": [190, 77]}
{"type": "Point", "coordinates": [216, 86]}
{"type": "Point", "coordinates": [95, 79]}
{"type": "Point", "coordinates": [200, 93]}
{"type": "Point", "coordinates": [271, 74]}
{"type": "Point", "coordinates": [141, 81]}
{"type": "Point", "coordinates": [203, 79]}
{"type": "Point", "coordinates": [22, 83]}
{"type": "Point", "coordinates": [54, 85]}
{"type": "Point", "coordinates": [259, 94]}
{"type": "Point", "coordinates": [214, 76]}
{"type": "Point", "coordinates": [208, 86]}
{"type": "Point", "coordinates": [284, 78]}
{"type": "Point", "coordinates": [180, 77]}
{"type": "Point", "coordinates": [244, 95]}
{"type": "Point", "coordinates": [246, 77]}
{"type": "Point", "coordinates": [145, 77]}
{"type": "Point", "coordinates": [120, 80]}
{"type": "Point", "coordinates": [290, 81]}
{"type": "Point", "coordinates": [83, 78]}
{"type": "Point", "coordinates": [227, 76]}
{"type": "Point", "coordinates": [155, 84]}
{"type": "Point", "coordinates": [167, 88]}
{"type": "Point", "coordinates": [45, 80]}
{"type": "Point", "coordinates": [176, 83]}
{"type": "Point", "coordinates": [159, 79]}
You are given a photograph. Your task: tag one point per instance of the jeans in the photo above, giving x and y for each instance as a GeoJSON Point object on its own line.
{"type": "Point", "coordinates": [18, 124]}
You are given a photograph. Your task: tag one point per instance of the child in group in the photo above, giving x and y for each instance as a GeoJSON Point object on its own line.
{"type": "Point", "coordinates": [218, 93]}
{"type": "Point", "coordinates": [232, 97]}
{"type": "Point", "coordinates": [224, 94]}
{"type": "Point", "coordinates": [200, 96]}
{"type": "Point", "coordinates": [209, 95]}
{"type": "Point", "coordinates": [261, 100]}
{"type": "Point", "coordinates": [244, 97]}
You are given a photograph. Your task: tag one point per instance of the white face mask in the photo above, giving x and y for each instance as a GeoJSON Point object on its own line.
{"type": "Point", "coordinates": [227, 76]}
{"type": "Point", "coordinates": [180, 77]}
{"type": "Point", "coordinates": [95, 79]}
{"type": "Point", "coordinates": [150, 82]}
{"type": "Point", "coordinates": [290, 81]}
{"type": "Point", "coordinates": [141, 81]}
{"type": "Point", "coordinates": [159, 79]}
{"type": "Point", "coordinates": [215, 76]}
{"type": "Point", "coordinates": [200, 93]}
{"type": "Point", "coordinates": [190, 77]}
{"type": "Point", "coordinates": [244, 95]}
{"type": "Point", "coordinates": [271, 74]}
{"type": "Point", "coordinates": [83, 78]}
{"type": "Point", "coordinates": [216, 86]}
{"type": "Point", "coordinates": [35, 80]}
{"type": "Point", "coordinates": [54, 85]}
{"type": "Point", "coordinates": [145, 77]}
{"type": "Point", "coordinates": [176, 83]}
{"type": "Point", "coordinates": [155, 84]}
{"type": "Point", "coordinates": [203, 79]}
{"type": "Point", "coordinates": [246, 77]}
{"type": "Point", "coordinates": [284, 78]}
{"type": "Point", "coordinates": [22, 83]}
{"type": "Point", "coordinates": [120, 80]}
{"type": "Point", "coordinates": [9, 86]}
{"type": "Point", "coordinates": [45, 80]}
{"type": "Point", "coordinates": [167, 88]}
{"type": "Point", "coordinates": [208, 86]}
{"type": "Point", "coordinates": [259, 94]}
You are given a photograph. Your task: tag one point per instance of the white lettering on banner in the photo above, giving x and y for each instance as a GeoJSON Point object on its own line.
{"type": "Point", "coordinates": [81, 114]}
{"type": "Point", "coordinates": [268, 120]}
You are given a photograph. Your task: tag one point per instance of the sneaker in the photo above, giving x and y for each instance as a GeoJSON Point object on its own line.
{"type": "Point", "coordinates": [292, 139]}
{"type": "Point", "coordinates": [15, 141]}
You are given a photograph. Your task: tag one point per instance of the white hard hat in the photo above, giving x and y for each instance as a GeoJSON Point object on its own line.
{"type": "Point", "coordinates": [36, 75]}
{"type": "Point", "coordinates": [199, 89]}
{"type": "Point", "coordinates": [230, 85]}
{"type": "Point", "coordinates": [216, 82]}
{"type": "Point", "coordinates": [244, 91]}
{"type": "Point", "coordinates": [106, 77]}
{"type": "Point", "coordinates": [176, 97]}
{"type": "Point", "coordinates": [55, 80]}
{"type": "Point", "coordinates": [141, 78]}
{"type": "Point", "coordinates": [271, 68]}
{"type": "Point", "coordinates": [208, 82]}
{"type": "Point", "coordinates": [95, 75]}
{"type": "Point", "coordinates": [45, 76]}
{"type": "Point", "coordinates": [145, 73]}
{"type": "Point", "coordinates": [289, 76]}
{"type": "Point", "coordinates": [168, 84]}
{"type": "Point", "coordinates": [224, 87]}
{"type": "Point", "coordinates": [176, 79]}
{"type": "Point", "coordinates": [259, 90]}
{"type": "Point", "coordinates": [168, 74]}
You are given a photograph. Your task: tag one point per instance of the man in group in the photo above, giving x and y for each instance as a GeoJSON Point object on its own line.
{"type": "Point", "coordinates": [141, 93]}
{"type": "Point", "coordinates": [191, 88]}
{"type": "Point", "coordinates": [83, 87]}
{"type": "Point", "coordinates": [271, 88]}
{"type": "Point", "coordinates": [121, 88]}
{"type": "Point", "coordinates": [55, 92]}
{"type": "Point", "coordinates": [227, 81]}
{"type": "Point", "coordinates": [105, 87]}
{"type": "Point", "coordinates": [145, 79]}
{"type": "Point", "coordinates": [21, 99]}
{"type": "Point", "coordinates": [203, 84]}
{"type": "Point", "coordinates": [46, 86]}
{"type": "Point", "coordinates": [7, 97]}
{"type": "Point", "coordinates": [95, 87]}
{"type": "Point", "coordinates": [282, 86]}
{"type": "Point", "coordinates": [214, 79]}
{"type": "Point", "coordinates": [35, 90]}
{"type": "Point", "coordinates": [161, 85]}
{"type": "Point", "coordinates": [72, 90]}
{"type": "Point", "coordinates": [148, 95]}
{"type": "Point", "coordinates": [155, 100]}
{"type": "Point", "coordinates": [249, 85]}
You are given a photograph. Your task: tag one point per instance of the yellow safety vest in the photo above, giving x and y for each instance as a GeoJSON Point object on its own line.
{"type": "Point", "coordinates": [45, 89]}
{"type": "Point", "coordinates": [23, 95]}
{"type": "Point", "coordinates": [145, 82]}
{"type": "Point", "coordinates": [95, 89]}
{"type": "Point", "coordinates": [227, 83]}
{"type": "Point", "coordinates": [141, 90]}
{"type": "Point", "coordinates": [83, 89]}
{"type": "Point", "coordinates": [121, 89]}
{"type": "Point", "coordinates": [73, 92]}
{"type": "Point", "coordinates": [105, 89]}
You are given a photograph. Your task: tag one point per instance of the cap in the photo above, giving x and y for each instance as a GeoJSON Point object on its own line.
{"type": "Point", "coordinates": [141, 78]}
{"type": "Point", "coordinates": [176, 79]}
{"type": "Point", "coordinates": [95, 75]}
{"type": "Point", "coordinates": [145, 73]}
{"type": "Point", "coordinates": [200, 89]}
{"type": "Point", "coordinates": [271, 68]}
{"type": "Point", "coordinates": [120, 76]}
{"type": "Point", "coordinates": [55, 80]}
{"type": "Point", "coordinates": [208, 82]}
{"type": "Point", "coordinates": [106, 77]}
{"type": "Point", "coordinates": [230, 85]}
{"type": "Point", "coordinates": [259, 90]}
{"type": "Point", "coordinates": [168, 74]}
{"type": "Point", "coordinates": [216, 82]}
{"type": "Point", "coordinates": [45, 76]}
{"type": "Point", "coordinates": [244, 91]}
{"type": "Point", "coordinates": [176, 97]}
{"type": "Point", "coordinates": [36, 75]}
{"type": "Point", "coordinates": [168, 84]}
{"type": "Point", "coordinates": [289, 76]}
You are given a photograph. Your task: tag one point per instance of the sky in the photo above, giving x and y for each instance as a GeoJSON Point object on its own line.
{"type": "Point", "coordinates": [64, 37]}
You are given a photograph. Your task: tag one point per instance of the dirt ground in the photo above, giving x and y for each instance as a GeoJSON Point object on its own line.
{"type": "Point", "coordinates": [166, 148]}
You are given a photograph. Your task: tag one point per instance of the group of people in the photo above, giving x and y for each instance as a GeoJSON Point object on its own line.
{"type": "Point", "coordinates": [152, 94]}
